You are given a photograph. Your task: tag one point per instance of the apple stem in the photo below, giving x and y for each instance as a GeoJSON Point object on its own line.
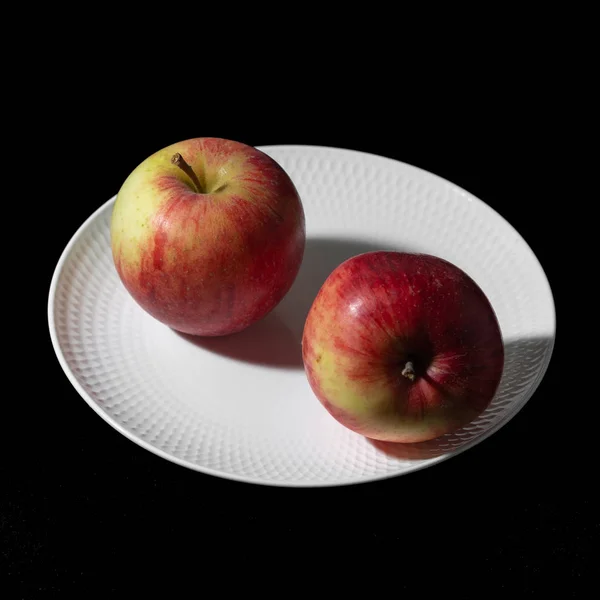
{"type": "Point", "coordinates": [178, 160]}
{"type": "Point", "coordinates": [409, 370]}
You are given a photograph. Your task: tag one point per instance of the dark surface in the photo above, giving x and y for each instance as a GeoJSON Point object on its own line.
{"type": "Point", "coordinates": [81, 506]}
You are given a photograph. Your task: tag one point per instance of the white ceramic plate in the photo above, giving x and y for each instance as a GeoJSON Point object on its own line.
{"type": "Point", "coordinates": [240, 407]}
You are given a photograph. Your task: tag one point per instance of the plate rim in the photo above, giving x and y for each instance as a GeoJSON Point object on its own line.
{"type": "Point", "coordinates": [51, 303]}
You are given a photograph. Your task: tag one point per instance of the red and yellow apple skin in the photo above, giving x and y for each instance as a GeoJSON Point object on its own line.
{"type": "Point", "coordinates": [381, 310]}
{"type": "Point", "coordinates": [214, 260]}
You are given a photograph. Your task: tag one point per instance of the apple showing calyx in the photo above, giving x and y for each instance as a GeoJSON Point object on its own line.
{"type": "Point", "coordinates": [402, 347]}
{"type": "Point", "coordinates": [208, 235]}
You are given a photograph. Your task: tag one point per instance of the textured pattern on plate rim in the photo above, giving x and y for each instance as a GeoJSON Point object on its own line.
{"type": "Point", "coordinates": [165, 394]}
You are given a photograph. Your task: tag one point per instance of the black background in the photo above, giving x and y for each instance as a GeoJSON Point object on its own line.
{"type": "Point", "coordinates": [83, 508]}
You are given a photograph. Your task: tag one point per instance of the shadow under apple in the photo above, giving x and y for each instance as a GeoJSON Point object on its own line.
{"type": "Point", "coordinates": [268, 342]}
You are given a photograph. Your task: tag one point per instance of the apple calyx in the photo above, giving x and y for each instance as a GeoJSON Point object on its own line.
{"type": "Point", "coordinates": [179, 161]}
{"type": "Point", "coordinates": [409, 370]}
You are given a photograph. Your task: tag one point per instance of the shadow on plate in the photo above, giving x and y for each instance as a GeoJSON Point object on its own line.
{"type": "Point", "coordinates": [269, 342]}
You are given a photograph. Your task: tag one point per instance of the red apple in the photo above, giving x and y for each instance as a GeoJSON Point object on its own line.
{"type": "Point", "coordinates": [208, 235]}
{"type": "Point", "coordinates": [402, 347]}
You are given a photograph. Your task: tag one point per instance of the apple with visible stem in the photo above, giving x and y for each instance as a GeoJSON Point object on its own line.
{"type": "Point", "coordinates": [402, 347]}
{"type": "Point", "coordinates": [208, 235]}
